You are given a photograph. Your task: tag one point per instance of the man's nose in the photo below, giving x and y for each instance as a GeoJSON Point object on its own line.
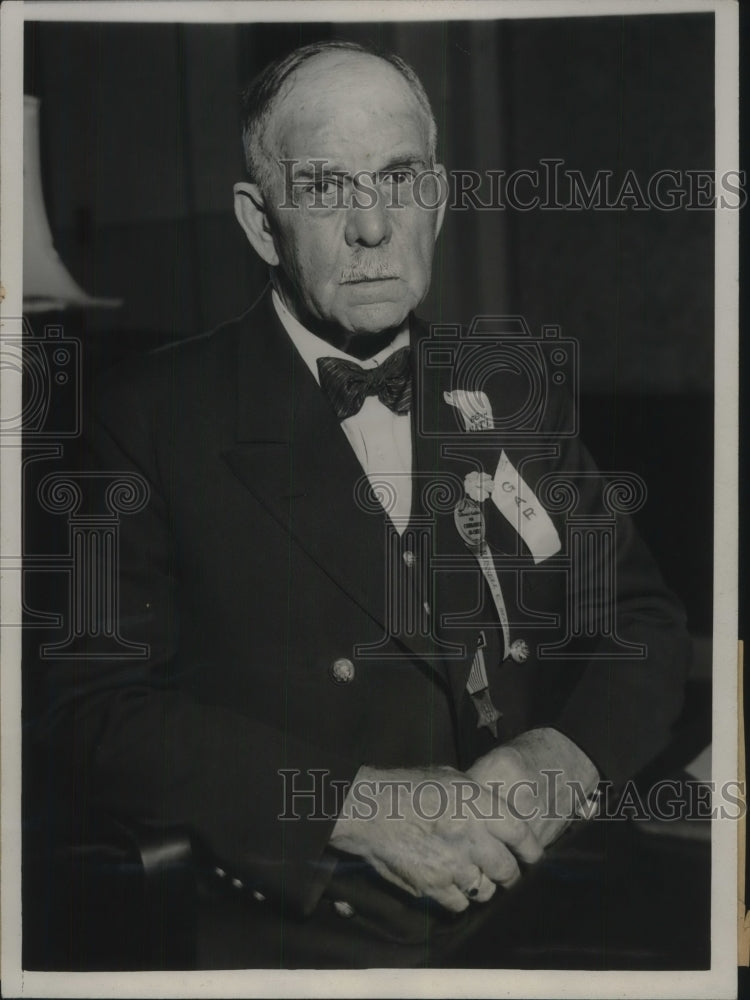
{"type": "Point", "coordinates": [368, 224]}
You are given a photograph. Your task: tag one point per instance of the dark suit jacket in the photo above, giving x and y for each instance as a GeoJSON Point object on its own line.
{"type": "Point", "coordinates": [253, 568]}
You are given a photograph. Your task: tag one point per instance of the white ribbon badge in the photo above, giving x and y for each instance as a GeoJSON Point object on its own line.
{"type": "Point", "coordinates": [518, 504]}
{"type": "Point", "coordinates": [515, 500]}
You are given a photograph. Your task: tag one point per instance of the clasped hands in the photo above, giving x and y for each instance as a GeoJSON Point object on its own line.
{"type": "Point", "coordinates": [454, 836]}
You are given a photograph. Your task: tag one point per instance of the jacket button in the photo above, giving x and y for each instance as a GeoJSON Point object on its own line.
{"type": "Point", "coordinates": [258, 895]}
{"type": "Point", "coordinates": [237, 883]}
{"type": "Point", "coordinates": [220, 872]}
{"type": "Point", "coordinates": [409, 558]}
{"type": "Point", "coordinates": [343, 908]}
{"type": "Point", "coordinates": [342, 671]}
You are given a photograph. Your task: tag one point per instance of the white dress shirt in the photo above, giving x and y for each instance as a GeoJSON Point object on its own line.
{"type": "Point", "coordinates": [380, 438]}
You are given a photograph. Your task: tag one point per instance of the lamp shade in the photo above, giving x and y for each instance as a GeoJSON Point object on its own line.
{"type": "Point", "coordinates": [47, 285]}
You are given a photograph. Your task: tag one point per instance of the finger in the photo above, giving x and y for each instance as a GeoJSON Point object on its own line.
{"type": "Point", "coordinates": [524, 843]}
{"type": "Point", "coordinates": [498, 864]}
{"type": "Point", "coordinates": [450, 897]}
{"type": "Point", "coordinates": [487, 889]}
{"type": "Point", "coordinates": [474, 884]}
{"type": "Point", "coordinates": [518, 836]}
{"type": "Point", "coordinates": [507, 821]}
{"type": "Point", "coordinates": [529, 848]}
{"type": "Point", "coordinates": [482, 890]}
{"type": "Point", "coordinates": [391, 876]}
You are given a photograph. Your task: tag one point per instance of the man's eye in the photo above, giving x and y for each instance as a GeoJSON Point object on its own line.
{"type": "Point", "coordinates": [325, 187]}
{"type": "Point", "coordinates": [397, 177]}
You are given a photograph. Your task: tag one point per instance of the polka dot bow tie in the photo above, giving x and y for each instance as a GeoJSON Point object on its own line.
{"type": "Point", "coordinates": [347, 385]}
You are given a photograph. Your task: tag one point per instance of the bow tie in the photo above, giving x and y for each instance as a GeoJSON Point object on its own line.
{"type": "Point", "coordinates": [347, 385]}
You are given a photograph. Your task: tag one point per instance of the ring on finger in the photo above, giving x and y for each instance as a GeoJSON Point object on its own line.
{"type": "Point", "coordinates": [473, 890]}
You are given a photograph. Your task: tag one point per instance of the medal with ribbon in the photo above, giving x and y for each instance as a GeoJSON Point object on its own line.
{"type": "Point", "coordinates": [475, 408]}
{"type": "Point", "coordinates": [469, 520]}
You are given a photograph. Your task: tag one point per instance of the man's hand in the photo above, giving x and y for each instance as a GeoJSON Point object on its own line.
{"type": "Point", "coordinates": [432, 833]}
{"type": "Point", "coordinates": [538, 777]}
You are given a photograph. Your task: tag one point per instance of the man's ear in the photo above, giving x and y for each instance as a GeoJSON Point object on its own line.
{"type": "Point", "coordinates": [250, 210]}
{"type": "Point", "coordinates": [444, 192]}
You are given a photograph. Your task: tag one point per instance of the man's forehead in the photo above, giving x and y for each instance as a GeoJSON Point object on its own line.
{"type": "Point", "coordinates": [337, 70]}
{"type": "Point", "coordinates": [353, 110]}
{"type": "Point", "coordinates": [338, 96]}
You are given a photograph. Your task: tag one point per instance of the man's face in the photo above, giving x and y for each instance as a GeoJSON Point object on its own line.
{"type": "Point", "coordinates": [355, 243]}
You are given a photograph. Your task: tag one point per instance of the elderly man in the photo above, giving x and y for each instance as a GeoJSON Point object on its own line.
{"type": "Point", "coordinates": [335, 696]}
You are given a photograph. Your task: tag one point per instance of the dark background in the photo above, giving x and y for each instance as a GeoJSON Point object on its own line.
{"type": "Point", "coordinates": [140, 148]}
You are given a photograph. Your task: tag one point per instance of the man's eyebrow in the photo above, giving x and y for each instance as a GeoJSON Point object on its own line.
{"type": "Point", "coordinates": [327, 169]}
{"type": "Point", "coordinates": [321, 169]}
{"type": "Point", "coordinates": [404, 160]}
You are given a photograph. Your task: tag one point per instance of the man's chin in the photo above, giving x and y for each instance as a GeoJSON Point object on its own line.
{"type": "Point", "coordinates": [362, 329]}
{"type": "Point", "coordinates": [375, 318]}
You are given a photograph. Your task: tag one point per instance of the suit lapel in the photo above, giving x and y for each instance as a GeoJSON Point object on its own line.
{"type": "Point", "coordinates": [294, 457]}
{"type": "Point", "coordinates": [292, 454]}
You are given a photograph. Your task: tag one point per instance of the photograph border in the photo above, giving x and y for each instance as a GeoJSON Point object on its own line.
{"type": "Point", "coordinates": [721, 979]}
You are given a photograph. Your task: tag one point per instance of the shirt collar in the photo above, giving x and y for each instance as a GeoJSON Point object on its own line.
{"type": "Point", "coordinates": [311, 347]}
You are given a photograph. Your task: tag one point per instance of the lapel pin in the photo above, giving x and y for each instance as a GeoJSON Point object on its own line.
{"type": "Point", "coordinates": [474, 407]}
{"type": "Point", "coordinates": [519, 650]}
{"type": "Point", "coordinates": [478, 486]}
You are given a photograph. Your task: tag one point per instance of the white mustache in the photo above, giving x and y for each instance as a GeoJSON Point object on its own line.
{"type": "Point", "coordinates": [376, 273]}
